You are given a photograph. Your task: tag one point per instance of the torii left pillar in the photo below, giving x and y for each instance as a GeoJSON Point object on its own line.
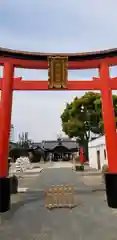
{"type": "Point", "coordinates": [5, 123]}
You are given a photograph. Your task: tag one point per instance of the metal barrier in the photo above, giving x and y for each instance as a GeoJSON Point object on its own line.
{"type": "Point", "coordinates": [60, 196]}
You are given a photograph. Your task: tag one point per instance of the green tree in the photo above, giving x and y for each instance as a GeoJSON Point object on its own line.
{"type": "Point", "coordinates": [83, 116]}
{"type": "Point", "coordinates": [24, 141]}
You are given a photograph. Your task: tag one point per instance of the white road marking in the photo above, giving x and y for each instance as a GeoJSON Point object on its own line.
{"type": "Point", "coordinates": [61, 165]}
{"type": "Point", "coordinates": [20, 190]}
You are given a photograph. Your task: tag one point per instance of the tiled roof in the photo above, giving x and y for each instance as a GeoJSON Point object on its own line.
{"type": "Point", "coordinates": [12, 145]}
{"type": "Point", "coordinates": [49, 145]}
{"type": "Point", "coordinates": [37, 144]}
{"type": "Point", "coordinates": [70, 144]}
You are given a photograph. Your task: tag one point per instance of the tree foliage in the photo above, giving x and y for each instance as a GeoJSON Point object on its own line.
{"type": "Point", "coordinates": [79, 122]}
{"type": "Point", "coordinates": [24, 141]}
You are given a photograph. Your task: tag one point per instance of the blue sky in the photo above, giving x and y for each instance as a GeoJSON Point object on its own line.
{"type": "Point", "coordinates": [53, 26]}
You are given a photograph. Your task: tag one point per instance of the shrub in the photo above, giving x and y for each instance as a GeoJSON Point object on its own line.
{"type": "Point", "coordinates": [104, 168]}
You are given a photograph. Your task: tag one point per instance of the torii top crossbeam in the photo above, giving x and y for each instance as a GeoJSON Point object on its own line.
{"type": "Point", "coordinates": [37, 60]}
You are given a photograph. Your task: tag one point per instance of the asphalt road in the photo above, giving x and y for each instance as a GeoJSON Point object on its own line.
{"type": "Point", "coordinates": [91, 219]}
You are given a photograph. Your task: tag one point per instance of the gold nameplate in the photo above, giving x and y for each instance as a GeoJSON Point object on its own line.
{"type": "Point", "coordinates": [57, 72]}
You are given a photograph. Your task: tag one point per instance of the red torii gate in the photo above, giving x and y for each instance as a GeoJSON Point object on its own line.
{"type": "Point", "coordinates": [101, 60]}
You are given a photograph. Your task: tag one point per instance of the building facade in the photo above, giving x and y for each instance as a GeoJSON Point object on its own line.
{"type": "Point", "coordinates": [97, 153]}
{"type": "Point", "coordinates": [57, 150]}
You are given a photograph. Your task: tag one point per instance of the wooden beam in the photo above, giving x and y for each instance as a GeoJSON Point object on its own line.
{"type": "Point", "coordinates": [40, 64]}
{"type": "Point", "coordinates": [28, 85]}
{"type": "Point", "coordinates": [35, 85]}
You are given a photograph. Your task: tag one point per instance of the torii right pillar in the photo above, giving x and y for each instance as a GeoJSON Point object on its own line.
{"type": "Point", "coordinates": [110, 135]}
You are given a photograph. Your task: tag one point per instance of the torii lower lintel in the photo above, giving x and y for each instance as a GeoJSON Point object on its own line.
{"type": "Point", "coordinates": [36, 85]}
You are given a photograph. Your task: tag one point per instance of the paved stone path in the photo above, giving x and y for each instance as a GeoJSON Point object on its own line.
{"type": "Point", "coordinates": [90, 220]}
{"type": "Point", "coordinates": [61, 165]}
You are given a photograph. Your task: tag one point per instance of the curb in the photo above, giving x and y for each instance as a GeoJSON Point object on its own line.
{"type": "Point", "coordinates": [34, 171]}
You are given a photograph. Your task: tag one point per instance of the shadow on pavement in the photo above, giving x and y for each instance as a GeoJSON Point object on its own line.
{"type": "Point", "coordinates": [39, 195]}
{"type": "Point", "coordinates": [29, 197]}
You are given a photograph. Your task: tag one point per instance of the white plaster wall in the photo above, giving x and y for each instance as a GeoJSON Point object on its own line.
{"type": "Point", "coordinates": [97, 142]}
{"type": "Point", "coordinates": [94, 146]}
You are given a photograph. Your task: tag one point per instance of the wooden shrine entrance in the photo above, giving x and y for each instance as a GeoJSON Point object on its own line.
{"type": "Point", "coordinates": [57, 65]}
